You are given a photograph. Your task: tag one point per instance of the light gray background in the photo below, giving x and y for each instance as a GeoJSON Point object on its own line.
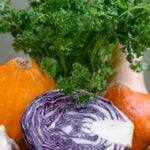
{"type": "Point", "coordinates": [7, 52]}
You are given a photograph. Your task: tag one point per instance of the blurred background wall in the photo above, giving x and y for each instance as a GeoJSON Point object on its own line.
{"type": "Point", "coordinates": [147, 74]}
{"type": "Point", "coordinates": [7, 52]}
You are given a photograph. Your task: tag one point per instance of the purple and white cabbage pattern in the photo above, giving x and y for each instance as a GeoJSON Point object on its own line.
{"type": "Point", "coordinates": [53, 121]}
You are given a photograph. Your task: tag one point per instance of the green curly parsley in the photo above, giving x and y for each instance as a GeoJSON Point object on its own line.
{"type": "Point", "coordinates": [74, 40]}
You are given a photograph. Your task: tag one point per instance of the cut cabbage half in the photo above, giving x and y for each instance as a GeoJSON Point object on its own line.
{"type": "Point", "coordinates": [53, 121]}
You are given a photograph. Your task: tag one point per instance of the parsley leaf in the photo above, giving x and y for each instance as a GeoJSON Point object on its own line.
{"type": "Point", "coordinates": [74, 40]}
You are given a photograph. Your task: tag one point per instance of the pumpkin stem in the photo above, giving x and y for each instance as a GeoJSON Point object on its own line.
{"type": "Point", "coordinates": [123, 74]}
{"type": "Point", "coordinates": [23, 62]}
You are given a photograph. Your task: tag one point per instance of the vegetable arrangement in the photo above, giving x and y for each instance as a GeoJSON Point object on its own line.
{"type": "Point", "coordinates": [126, 89]}
{"type": "Point", "coordinates": [21, 80]}
{"type": "Point", "coordinates": [55, 122]}
{"type": "Point", "coordinates": [75, 43]}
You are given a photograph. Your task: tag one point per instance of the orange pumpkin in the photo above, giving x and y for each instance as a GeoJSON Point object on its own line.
{"type": "Point", "coordinates": [21, 80]}
{"type": "Point", "coordinates": [136, 106]}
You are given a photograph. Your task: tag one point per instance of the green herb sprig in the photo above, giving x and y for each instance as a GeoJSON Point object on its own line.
{"type": "Point", "coordinates": [74, 40]}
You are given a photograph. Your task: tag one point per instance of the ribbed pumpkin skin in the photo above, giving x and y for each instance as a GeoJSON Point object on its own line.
{"type": "Point", "coordinates": [18, 87]}
{"type": "Point", "coordinates": [137, 107]}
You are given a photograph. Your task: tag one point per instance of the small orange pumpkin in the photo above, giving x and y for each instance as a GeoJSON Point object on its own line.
{"type": "Point", "coordinates": [21, 80]}
{"type": "Point", "coordinates": [136, 106]}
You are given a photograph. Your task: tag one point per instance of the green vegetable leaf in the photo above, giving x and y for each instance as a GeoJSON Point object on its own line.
{"type": "Point", "coordinates": [74, 40]}
{"type": "Point", "coordinates": [49, 65]}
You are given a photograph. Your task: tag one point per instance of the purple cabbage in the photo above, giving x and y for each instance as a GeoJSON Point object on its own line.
{"type": "Point", "coordinates": [53, 121]}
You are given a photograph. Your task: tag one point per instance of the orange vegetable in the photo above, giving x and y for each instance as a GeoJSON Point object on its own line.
{"type": "Point", "coordinates": [21, 80]}
{"type": "Point", "coordinates": [137, 107]}
{"type": "Point", "coordinates": [126, 89]}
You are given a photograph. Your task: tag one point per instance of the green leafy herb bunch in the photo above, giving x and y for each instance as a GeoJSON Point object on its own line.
{"type": "Point", "coordinates": [74, 40]}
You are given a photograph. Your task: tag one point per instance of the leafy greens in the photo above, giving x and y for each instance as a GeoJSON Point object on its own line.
{"type": "Point", "coordinates": [74, 40]}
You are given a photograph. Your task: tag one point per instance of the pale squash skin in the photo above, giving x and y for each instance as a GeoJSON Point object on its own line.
{"type": "Point", "coordinates": [21, 80]}
{"type": "Point", "coordinates": [127, 90]}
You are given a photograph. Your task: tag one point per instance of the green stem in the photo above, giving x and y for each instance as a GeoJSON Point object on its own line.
{"type": "Point", "coordinates": [134, 8]}
{"type": "Point", "coordinates": [59, 53]}
{"type": "Point", "coordinates": [61, 59]}
{"type": "Point", "coordinates": [87, 49]}
{"type": "Point", "coordinates": [98, 44]}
